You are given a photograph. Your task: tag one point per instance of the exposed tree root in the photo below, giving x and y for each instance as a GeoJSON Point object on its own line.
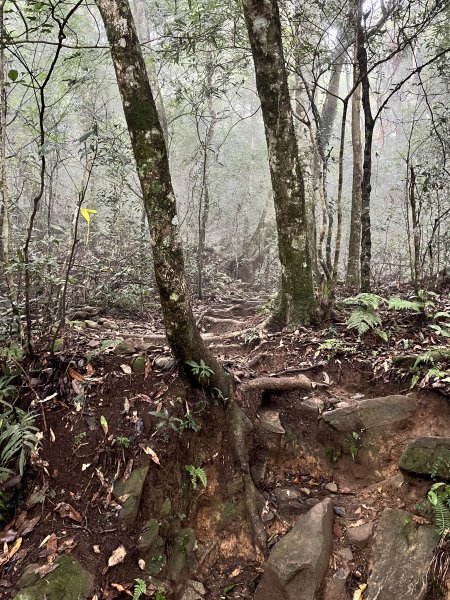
{"type": "Point", "coordinates": [241, 434]}
{"type": "Point", "coordinates": [301, 382]}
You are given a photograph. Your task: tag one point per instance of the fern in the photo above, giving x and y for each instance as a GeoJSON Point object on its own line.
{"type": "Point", "coordinates": [400, 304]}
{"type": "Point", "coordinates": [18, 437]}
{"type": "Point", "coordinates": [439, 498]}
{"type": "Point", "coordinates": [367, 300]}
{"type": "Point", "coordinates": [140, 587]}
{"type": "Point", "coordinates": [197, 473]}
{"type": "Point", "coordinates": [363, 320]}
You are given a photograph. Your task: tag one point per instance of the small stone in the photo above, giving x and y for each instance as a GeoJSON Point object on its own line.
{"type": "Point", "coordinates": [343, 404]}
{"type": "Point", "coordinates": [166, 507]}
{"type": "Point", "coordinates": [164, 362]}
{"type": "Point", "coordinates": [78, 324]}
{"type": "Point", "coordinates": [339, 511]}
{"type": "Point", "coordinates": [346, 554]}
{"type": "Point", "coordinates": [360, 535]}
{"type": "Point", "coordinates": [286, 494]}
{"type": "Point", "coordinates": [269, 420]}
{"type": "Point", "coordinates": [315, 405]}
{"type": "Point", "coordinates": [331, 487]}
{"type": "Point", "coordinates": [148, 535]}
{"type": "Point", "coordinates": [124, 348]}
{"type": "Point", "coordinates": [91, 324]}
{"type": "Point", "coordinates": [267, 517]}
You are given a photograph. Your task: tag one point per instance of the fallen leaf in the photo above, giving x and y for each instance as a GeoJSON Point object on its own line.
{"type": "Point", "coordinates": [358, 594]}
{"type": "Point", "coordinates": [128, 469]}
{"type": "Point", "coordinates": [28, 526]}
{"type": "Point", "coordinates": [65, 510]}
{"type": "Point", "coordinates": [84, 466]}
{"type": "Point", "coordinates": [152, 454]}
{"type": "Point", "coordinates": [75, 375]}
{"type": "Point", "coordinates": [126, 369]}
{"type": "Point", "coordinates": [141, 563]}
{"type": "Point", "coordinates": [236, 572]}
{"type": "Point", "coordinates": [104, 424]}
{"type": "Point", "coordinates": [46, 568]}
{"type": "Point", "coordinates": [52, 435]}
{"type": "Point", "coordinates": [121, 588]}
{"type": "Point", "coordinates": [14, 548]}
{"type": "Point", "coordinates": [67, 545]}
{"type": "Point", "coordinates": [123, 498]}
{"type": "Point", "coordinates": [117, 557]}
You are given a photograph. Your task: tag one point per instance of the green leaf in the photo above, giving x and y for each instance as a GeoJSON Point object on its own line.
{"type": "Point", "coordinates": [104, 424]}
{"type": "Point", "coordinates": [13, 74]}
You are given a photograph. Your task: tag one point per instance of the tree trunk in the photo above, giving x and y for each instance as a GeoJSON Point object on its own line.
{"type": "Point", "coordinates": [366, 188]}
{"type": "Point", "coordinates": [150, 152]}
{"type": "Point", "coordinates": [354, 245]}
{"type": "Point", "coordinates": [297, 303]}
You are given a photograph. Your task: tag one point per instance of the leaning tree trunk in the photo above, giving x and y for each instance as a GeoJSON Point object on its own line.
{"type": "Point", "coordinates": [354, 245]}
{"type": "Point", "coordinates": [150, 152]}
{"type": "Point", "coordinates": [297, 303]}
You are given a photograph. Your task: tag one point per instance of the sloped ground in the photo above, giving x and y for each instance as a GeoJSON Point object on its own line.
{"type": "Point", "coordinates": [105, 414]}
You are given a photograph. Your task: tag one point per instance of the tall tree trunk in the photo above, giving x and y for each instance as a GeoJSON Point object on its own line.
{"type": "Point", "coordinates": [205, 200]}
{"type": "Point", "coordinates": [354, 245]}
{"type": "Point", "coordinates": [297, 303]}
{"type": "Point", "coordinates": [415, 220]}
{"type": "Point", "coordinates": [366, 187]}
{"type": "Point", "coordinates": [150, 152]}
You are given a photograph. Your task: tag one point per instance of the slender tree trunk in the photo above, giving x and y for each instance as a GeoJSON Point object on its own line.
{"type": "Point", "coordinates": [297, 304]}
{"type": "Point", "coordinates": [416, 227]}
{"type": "Point", "coordinates": [354, 245]}
{"type": "Point", "coordinates": [150, 152]}
{"type": "Point", "coordinates": [204, 200]}
{"type": "Point", "coordinates": [366, 187]}
{"type": "Point", "coordinates": [337, 249]}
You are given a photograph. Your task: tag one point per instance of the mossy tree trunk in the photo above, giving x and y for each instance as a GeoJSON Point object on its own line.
{"type": "Point", "coordinates": [150, 153]}
{"type": "Point", "coordinates": [297, 304]}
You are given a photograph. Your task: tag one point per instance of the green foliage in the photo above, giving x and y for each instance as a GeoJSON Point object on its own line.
{"type": "Point", "coordinates": [140, 588]}
{"type": "Point", "coordinates": [160, 594]}
{"type": "Point", "coordinates": [18, 437]}
{"type": "Point", "coordinates": [354, 441]}
{"type": "Point", "coordinates": [439, 498]}
{"type": "Point", "coordinates": [168, 421]}
{"type": "Point", "coordinates": [197, 473]}
{"type": "Point", "coordinates": [200, 370]}
{"type": "Point", "coordinates": [333, 454]}
{"type": "Point", "coordinates": [372, 301]}
{"type": "Point", "coordinates": [401, 304]}
{"type": "Point", "coordinates": [122, 440]}
{"type": "Point", "coordinates": [363, 320]}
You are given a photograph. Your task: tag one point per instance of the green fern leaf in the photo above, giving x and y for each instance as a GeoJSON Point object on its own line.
{"type": "Point", "coordinates": [140, 588]}
{"type": "Point", "coordinates": [363, 320]}
{"type": "Point", "coordinates": [372, 301]}
{"type": "Point", "coordinates": [400, 304]}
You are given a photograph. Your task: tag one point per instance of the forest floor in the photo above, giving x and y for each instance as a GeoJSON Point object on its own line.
{"type": "Point", "coordinates": [103, 414]}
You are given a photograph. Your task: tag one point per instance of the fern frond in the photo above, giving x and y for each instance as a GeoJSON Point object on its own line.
{"type": "Point", "coordinates": [140, 588]}
{"type": "Point", "coordinates": [363, 320]}
{"type": "Point", "coordinates": [441, 516]}
{"type": "Point", "coordinates": [365, 299]}
{"type": "Point", "coordinates": [400, 304]}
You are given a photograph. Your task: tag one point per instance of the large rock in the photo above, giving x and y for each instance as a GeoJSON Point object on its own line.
{"type": "Point", "coordinates": [427, 456]}
{"type": "Point", "coordinates": [128, 493]}
{"type": "Point", "coordinates": [299, 561]}
{"type": "Point", "coordinates": [69, 581]}
{"type": "Point", "coordinates": [368, 414]}
{"type": "Point", "coordinates": [402, 552]}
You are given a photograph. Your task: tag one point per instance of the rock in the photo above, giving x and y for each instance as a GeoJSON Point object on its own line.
{"type": "Point", "coordinates": [108, 324]}
{"type": "Point", "coordinates": [138, 364]}
{"type": "Point", "coordinates": [267, 517]}
{"type": "Point", "coordinates": [346, 554]}
{"type": "Point", "coordinates": [269, 420]}
{"type": "Point", "coordinates": [331, 487]}
{"type": "Point", "coordinates": [194, 590]}
{"type": "Point", "coordinates": [299, 561]}
{"type": "Point", "coordinates": [315, 405]}
{"type": "Point", "coordinates": [129, 492]}
{"type": "Point", "coordinates": [288, 501]}
{"type": "Point", "coordinates": [360, 535]}
{"type": "Point", "coordinates": [148, 535]}
{"type": "Point", "coordinates": [427, 456]}
{"type": "Point", "coordinates": [166, 508]}
{"type": "Point", "coordinates": [124, 348]}
{"type": "Point", "coordinates": [335, 588]}
{"type": "Point", "coordinates": [79, 324]}
{"type": "Point", "coordinates": [367, 414]}
{"type": "Point", "coordinates": [69, 581]}
{"type": "Point", "coordinates": [57, 344]}
{"type": "Point", "coordinates": [29, 576]}
{"type": "Point", "coordinates": [183, 557]}
{"type": "Point", "coordinates": [339, 511]}
{"type": "Point", "coordinates": [91, 324]}
{"type": "Point", "coordinates": [402, 551]}
{"type": "Point", "coordinates": [164, 362]}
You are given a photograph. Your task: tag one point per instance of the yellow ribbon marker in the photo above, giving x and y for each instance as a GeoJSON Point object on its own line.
{"type": "Point", "coordinates": [87, 212]}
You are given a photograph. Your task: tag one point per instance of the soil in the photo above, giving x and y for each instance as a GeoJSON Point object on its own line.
{"type": "Point", "coordinates": [96, 417]}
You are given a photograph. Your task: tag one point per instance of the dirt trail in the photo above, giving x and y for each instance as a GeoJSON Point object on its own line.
{"type": "Point", "coordinates": [154, 407]}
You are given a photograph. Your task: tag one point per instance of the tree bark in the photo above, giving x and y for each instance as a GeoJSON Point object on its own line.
{"type": "Point", "coordinates": [150, 152]}
{"type": "Point", "coordinates": [366, 187]}
{"type": "Point", "coordinates": [354, 245]}
{"type": "Point", "coordinates": [297, 303]}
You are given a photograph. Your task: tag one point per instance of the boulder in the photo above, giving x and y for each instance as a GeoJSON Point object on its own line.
{"type": "Point", "coordinates": [128, 493]}
{"type": "Point", "coordinates": [335, 588]}
{"type": "Point", "coordinates": [367, 414]}
{"type": "Point", "coordinates": [164, 362]}
{"type": "Point", "coordinates": [69, 581]}
{"type": "Point", "coordinates": [298, 562]}
{"type": "Point", "coordinates": [269, 429]}
{"type": "Point", "coordinates": [402, 551]}
{"type": "Point", "coordinates": [183, 556]}
{"type": "Point", "coordinates": [426, 457]}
